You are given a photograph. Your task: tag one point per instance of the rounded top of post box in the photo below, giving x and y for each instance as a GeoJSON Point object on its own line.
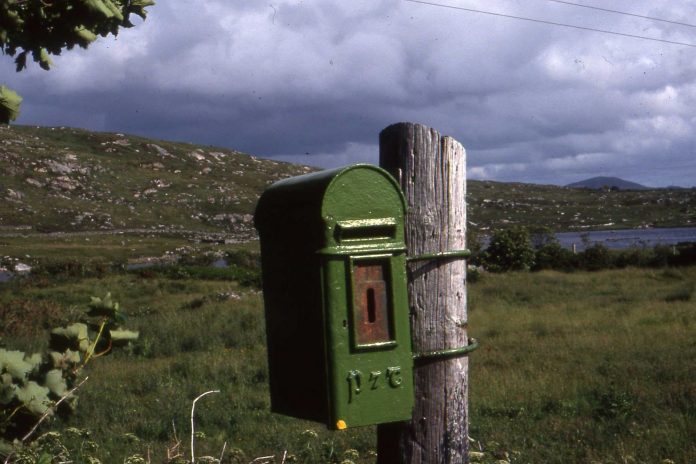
{"type": "Point", "coordinates": [360, 192]}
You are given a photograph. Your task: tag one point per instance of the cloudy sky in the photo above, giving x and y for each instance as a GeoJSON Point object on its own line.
{"type": "Point", "coordinates": [315, 81]}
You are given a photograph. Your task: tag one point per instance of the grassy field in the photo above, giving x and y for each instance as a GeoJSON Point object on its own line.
{"type": "Point", "coordinates": [107, 248]}
{"type": "Point", "coordinates": [586, 367]}
{"type": "Point", "coordinates": [581, 367]}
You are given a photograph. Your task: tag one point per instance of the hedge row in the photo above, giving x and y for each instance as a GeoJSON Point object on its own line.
{"type": "Point", "coordinates": [516, 249]}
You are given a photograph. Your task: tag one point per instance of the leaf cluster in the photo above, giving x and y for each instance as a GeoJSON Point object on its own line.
{"type": "Point", "coordinates": [32, 385]}
{"type": "Point", "coordinates": [509, 250]}
{"type": "Point", "coordinates": [72, 446]}
{"type": "Point", "coordinates": [38, 28]}
{"type": "Point", "coordinates": [10, 102]}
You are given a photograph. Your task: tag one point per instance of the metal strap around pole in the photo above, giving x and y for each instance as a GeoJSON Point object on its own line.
{"type": "Point", "coordinates": [441, 255]}
{"type": "Point", "coordinates": [448, 353]}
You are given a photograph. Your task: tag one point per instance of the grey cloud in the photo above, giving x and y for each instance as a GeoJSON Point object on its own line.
{"type": "Point", "coordinates": [530, 102]}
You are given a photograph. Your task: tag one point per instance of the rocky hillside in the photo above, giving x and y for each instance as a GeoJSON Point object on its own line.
{"type": "Point", "coordinates": [75, 181]}
{"type": "Point", "coordinates": [63, 179]}
{"type": "Point", "coordinates": [494, 205]}
{"type": "Point", "coordinates": [607, 183]}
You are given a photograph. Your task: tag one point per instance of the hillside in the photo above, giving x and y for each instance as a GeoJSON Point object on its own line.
{"type": "Point", "coordinates": [493, 205]}
{"type": "Point", "coordinates": [603, 182]}
{"type": "Point", "coordinates": [62, 179]}
{"type": "Point", "coordinates": [71, 181]}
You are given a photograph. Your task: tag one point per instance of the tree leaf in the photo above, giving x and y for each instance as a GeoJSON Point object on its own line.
{"type": "Point", "coordinates": [106, 306]}
{"type": "Point", "coordinates": [123, 337]}
{"type": "Point", "coordinates": [86, 36]}
{"type": "Point", "coordinates": [35, 360]}
{"type": "Point", "coordinates": [137, 7]}
{"type": "Point", "coordinates": [66, 360]}
{"type": "Point", "coordinates": [56, 383]}
{"type": "Point", "coordinates": [7, 389]}
{"type": "Point", "coordinates": [21, 61]}
{"type": "Point", "coordinates": [74, 337]}
{"type": "Point", "coordinates": [114, 9]}
{"type": "Point", "coordinates": [34, 397]}
{"type": "Point", "coordinates": [44, 60]}
{"type": "Point", "coordinates": [9, 105]}
{"type": "Point", "coordinates": [13, 363]}
{"type": "Point", "coordinates": [99, 6]}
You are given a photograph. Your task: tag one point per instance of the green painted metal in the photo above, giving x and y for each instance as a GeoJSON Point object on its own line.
{"type": "Point", "coordinates": [337, 315]}
{"type": "Point", "coordinates": [448, 353]}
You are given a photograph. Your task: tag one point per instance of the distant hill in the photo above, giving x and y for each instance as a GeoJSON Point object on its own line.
{"type": "Point", "coordinates": [59, 179]}
{"type": "Point", "coordinates": [607, 182]}
{"type": "Point", "coordinates": [74, 181]}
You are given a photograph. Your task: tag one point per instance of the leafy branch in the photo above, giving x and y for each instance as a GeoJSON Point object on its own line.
{"type": "Point", "coordinates": [38, 386]}
{"type": "Point", "coordinates": [38, 29]}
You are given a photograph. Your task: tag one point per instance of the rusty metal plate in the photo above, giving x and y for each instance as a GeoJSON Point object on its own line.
{"type": "Point", "coordinates": [371, 307]}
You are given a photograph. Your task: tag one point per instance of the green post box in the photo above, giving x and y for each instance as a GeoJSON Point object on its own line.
{"type": "Point", "coordinates": [334, 281]}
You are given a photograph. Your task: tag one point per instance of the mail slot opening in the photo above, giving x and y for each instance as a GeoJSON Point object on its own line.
{"type": "Point", "coordinates": [371, 316]}
{"type": "Point", "coordinates": [370, 229]}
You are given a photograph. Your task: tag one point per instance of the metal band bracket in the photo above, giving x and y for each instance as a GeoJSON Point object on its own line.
{"type": "Point", "coordinates": [453, 254]}
{"type": "Point", "coordinates": [448, 353]}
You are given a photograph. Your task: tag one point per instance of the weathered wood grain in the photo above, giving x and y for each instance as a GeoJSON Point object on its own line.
{"type": "Point", "coordinates": [432, 172]}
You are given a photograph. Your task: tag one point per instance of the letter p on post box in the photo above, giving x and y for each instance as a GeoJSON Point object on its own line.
{"type": "Point", "coordinates": [336, 304]}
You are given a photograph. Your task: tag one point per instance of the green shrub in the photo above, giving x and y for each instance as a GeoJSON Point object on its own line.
{"type": "Point", "coordinates": [509, 250]}
{"type": "Point", "coordinates": [542, 236]}
{"type": "Point", "coordinates": [631, 257]}
{"type": "Point", "coordinates": [553, 256]}
{"type": "Point", "coordinates": [244, 258]}
{"type": "Point", "coordinates": [686, 255]}
{"type": "Point", "coordinates": [24, 317]}
{"type": "Point", "coordinates": [596, 257]}
{"type": "Point", "coordinates": [74, 268]}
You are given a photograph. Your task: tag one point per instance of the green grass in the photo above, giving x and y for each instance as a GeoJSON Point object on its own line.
{"type": "Point", "coordinates": [195, 335]}
{"type": "Point", "coordinates": [573, 368]}
{"type": "Point", "coordinates": [53, 251]}
{"type": "Point", "coordinates": [586, 367]}
{"type": "Point", "coordinates": [113, 248]}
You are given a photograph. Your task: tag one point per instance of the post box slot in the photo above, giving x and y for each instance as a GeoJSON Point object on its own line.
{"type": "Point", "coordinates": [372, 305]}
{"type": "Point", "coordinates": [371, 316]}
{"type": "Point", "coordinates": [361, 230]}
{"type": "Point", "coordinates": [367, 233]}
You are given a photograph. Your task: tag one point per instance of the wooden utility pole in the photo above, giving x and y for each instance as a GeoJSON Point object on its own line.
{"type": "Point", "coordinates": [432, 172]}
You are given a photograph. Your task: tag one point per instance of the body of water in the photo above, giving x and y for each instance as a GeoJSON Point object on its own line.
{"type": "Point", "coordinates": [5, 276]}
{"type": "Point", "coordinates": [627, 238]}
{"type": "Point", "coordinates": [613, 239]}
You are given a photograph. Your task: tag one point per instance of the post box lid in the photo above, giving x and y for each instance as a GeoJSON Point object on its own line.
{"type": "Point", "coordinates": [344, 204]}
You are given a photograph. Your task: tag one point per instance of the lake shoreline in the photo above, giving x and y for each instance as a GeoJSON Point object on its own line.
{"type": "Point", "coordinates": [620, 239]}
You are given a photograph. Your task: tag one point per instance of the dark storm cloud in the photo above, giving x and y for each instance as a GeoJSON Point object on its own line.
{"type": "Point", "coordinates": [315, 81]}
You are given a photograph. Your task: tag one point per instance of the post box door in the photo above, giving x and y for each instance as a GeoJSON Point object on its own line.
{"type": "Point", "coordinates": [372, 372]}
